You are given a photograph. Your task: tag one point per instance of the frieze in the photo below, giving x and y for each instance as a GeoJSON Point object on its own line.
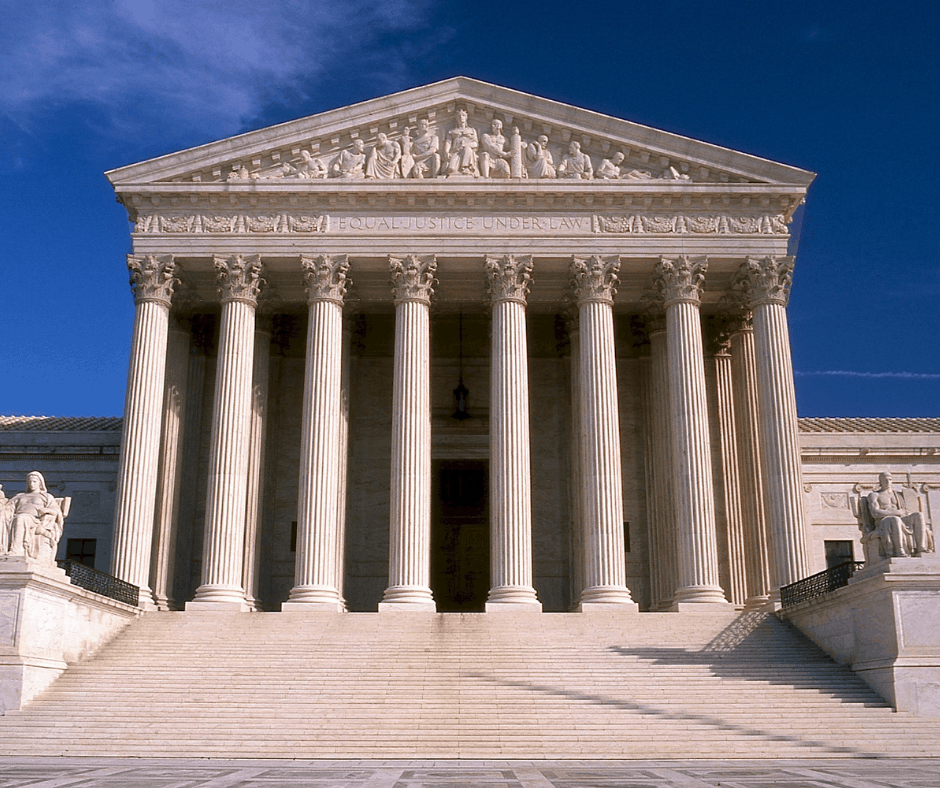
{"type": "Point", "coordinates": [692, 224]}
{"type": "Point", "coordinates": [218, 223]}
{"type": "Point", "coordinates": [284, 223]}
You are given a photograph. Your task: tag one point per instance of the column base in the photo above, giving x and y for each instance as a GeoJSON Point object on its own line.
{"type": "Point", "coordinates": [414, 598]}
{"type": "Point", "coordinates": [758, 604]}
{"type": "Point", "coordinates": [314, 597]}
{"type": "Point", "coordinates": [699, 595]}
{"type": "Point", "coordinates": [508, 598]}
{"type": "Point", "coordinates": [219, 597]}
{"type": "Point", "coordinates": [601, 597]}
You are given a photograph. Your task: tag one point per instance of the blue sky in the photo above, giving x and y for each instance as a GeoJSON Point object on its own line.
{"type": "Point", "coordinates": [848, 90]}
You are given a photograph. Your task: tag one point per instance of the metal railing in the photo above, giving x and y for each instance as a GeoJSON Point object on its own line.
{"type": "Point", "coordinates": [818, 584]}
{"type": "Point", "coordinates": [100, 583]}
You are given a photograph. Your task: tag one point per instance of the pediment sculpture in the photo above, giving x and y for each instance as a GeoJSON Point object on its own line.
{"type": "Point", "coordinates": [892, 522]}
{"type": "Point", "coordinates": [462, 151]}
{"type": "Point", "coordinates": [31, 522]}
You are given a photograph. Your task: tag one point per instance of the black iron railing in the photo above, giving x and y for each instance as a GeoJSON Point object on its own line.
{"type": "Point", "coordinates": [818, 584]}
{"type": "Point", "coordinates": [101, 583]}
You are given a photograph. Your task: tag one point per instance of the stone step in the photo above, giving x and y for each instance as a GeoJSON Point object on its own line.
{"type": "Point", "coordinates": [379, 686]}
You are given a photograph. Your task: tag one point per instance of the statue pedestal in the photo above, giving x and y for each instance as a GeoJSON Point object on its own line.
{"type": "Point", "coordinates": [46, 624]}
{"type": "Point", "coordinates": [885, 624]}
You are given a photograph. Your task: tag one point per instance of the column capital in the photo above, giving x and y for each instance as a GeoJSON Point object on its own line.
{"type": "Point", "coordinates": [508, 277]}
{"type": "Point", "coordinates": [595, 278]}
{"type": "Point", "coordinates": [765, 280]}
{"type": "Point", "coordinates": [412, 277]}
{"type": "Point", "coordinates": [153, 277]}
{"type": "Point", "coordinates": [680, 279]}
{"type": "Point", "coordinates": [239, 278]}
{"type": "Point", "coordinates": [325, 277]}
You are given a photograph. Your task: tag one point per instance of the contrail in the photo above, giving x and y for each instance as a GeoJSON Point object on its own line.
{"type": "Point", "coordinates": [849, 374]}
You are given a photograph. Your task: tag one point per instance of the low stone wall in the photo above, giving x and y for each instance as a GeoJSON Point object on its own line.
{"type": "Point", "coordinates": [47, 624]}
{"type": "Point", "coordinates": [885, 625]}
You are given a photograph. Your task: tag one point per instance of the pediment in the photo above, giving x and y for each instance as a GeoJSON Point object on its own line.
{"type": "Point", "coordinates": [456, 115]}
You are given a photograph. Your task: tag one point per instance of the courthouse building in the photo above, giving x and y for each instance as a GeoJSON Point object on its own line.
{"type": "Point", "coordinates": [463, 349]}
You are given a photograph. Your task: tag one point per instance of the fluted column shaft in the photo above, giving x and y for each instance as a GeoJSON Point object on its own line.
{"type": "Point", "coordinates": [345, 383]}
{"type": "Point", "coordinates": [410, 499]}
{"type": "Point", "coordinates": [767, 283]}
{"type": "Point", "coordinates": [315, 578]}
{"type": "Point", "coordinates": [171, 467]}
{"type": "Point", "coordinates": [153, 280]}
{"type": "Point", "coordinates": [662, 503]}
{"type": "Point", "coordinates": [224, 536]}
{"type": "Point", "coordinates": [730, 473]}
{"type": "Point", "coordinates": [574, 480]}
{"type": "Point", "coordinates": [256, 459]}
{"type": "Point", "coordinates": [510, 466]}
{"type": "Point", "coordinates": [680, 281]}
{"type": "Point", "coordinates": [605, 581]}
{"type": "Point", "coordinates": [744, 376]}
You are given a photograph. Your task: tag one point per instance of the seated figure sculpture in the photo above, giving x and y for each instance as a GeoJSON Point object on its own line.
{"type": "Point", "coordinates": [36, 520]}
{"type": "Point", "coordinates": [892, 523]}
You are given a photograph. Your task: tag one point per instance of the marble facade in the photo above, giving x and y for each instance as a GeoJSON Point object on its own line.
{"type": "Point", "coordinates": [612, 297]}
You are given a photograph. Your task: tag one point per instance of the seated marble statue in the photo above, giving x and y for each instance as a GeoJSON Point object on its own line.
{"type": "Point", "coordinates": [384, 158]}
{"type": "Point", "coordinates": [460, 148]}
{"type": "Point", "coordinates": [350, 163]}
{"type": "Point", "coordinates": [610, 168]}
{"type": "Point", "coordinates": [538, 159]}
{"type": "Point", "coordinates": [37, 520]}
{"type": "Point", "coordinates": [494, 158]}
{"type": "Point", "coordinates": [575, 163]}
{"type": "Point", "coordinates": [425, 152]}
{"type": "Point", "coordinates": [892, 523]}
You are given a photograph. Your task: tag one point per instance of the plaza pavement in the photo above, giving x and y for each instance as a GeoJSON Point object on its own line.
{"type": "Point", "coordinates": [195, 773]}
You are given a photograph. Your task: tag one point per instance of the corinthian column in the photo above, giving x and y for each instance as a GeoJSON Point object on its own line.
{"type": "Point", "coordinates": [746, 407]}
{"type": "Point", "coordinates": [661, 500]}
{"type": "Point", "coordinates": [718, 345]}
{"type": "Point", "coordinates": [605, 575]}
{"type": "Point", "coordinates": [509, 279]}
{"type": "Point", "coordinates": [224, 540]}
{"type": "Point", "coordinates": [171, 467]}
{"type": "Point", "coordinates": [315, 574]}
{"type": "Point", "coordinates": [680, 280]}
{"type": "Point", "coordinates": [256, 459]}
{"type": "Point", "coordinates": [409, 564]}
{"type": "Point", "coordinates": [152, 281]}
{"type": "Point", "coordinates": [766, 285]}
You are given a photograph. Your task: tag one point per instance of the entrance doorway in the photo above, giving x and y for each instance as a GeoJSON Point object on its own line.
{"type": "Point", "coordinates": [460, 535]}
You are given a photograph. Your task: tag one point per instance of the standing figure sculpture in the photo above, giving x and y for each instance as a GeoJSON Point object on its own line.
{"type": "Point", "coordinates": [575, 164]}
{"type": "Point", "coordinates": [460, 148]}
{"type": "Point", "coordinates": [407, 159]}
{"type": "Point", "coordinates": [425, 150]}
{"type": "Point", "coordinates": [6, 522]}
{"type": "Point", "coordinates": [383, 161]}
{"type": "Point", "coordinates": [538, 159]}
{"type": "Point", "coordinates": [349, 164]}
{"type": "Point", "coordinates": [895, 527]}
{"type": "Point", "coordinates": [37, 521]}
{"type": "Point", "coordinates": [494, 159]}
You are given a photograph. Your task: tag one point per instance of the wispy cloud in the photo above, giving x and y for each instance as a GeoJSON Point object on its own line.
{"type": "Point", "coordinates": [844, 373]}
{"type": "Point", "coordinates": [207, 66]}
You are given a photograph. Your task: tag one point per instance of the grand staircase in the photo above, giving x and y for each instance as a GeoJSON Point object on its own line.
{"type": "Point", "coordinates": [368, 685]}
